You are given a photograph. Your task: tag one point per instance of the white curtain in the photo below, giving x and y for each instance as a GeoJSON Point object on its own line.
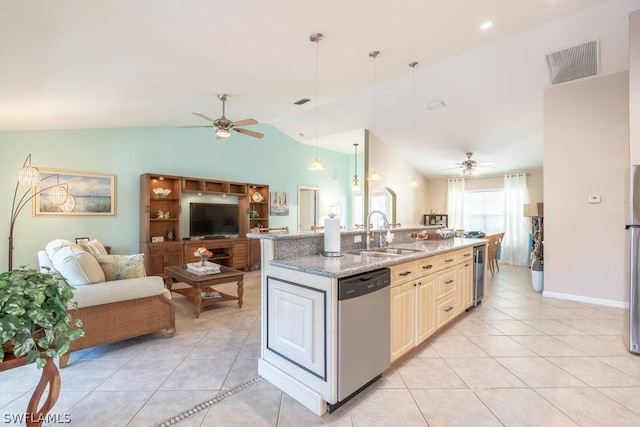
{"type": "Point", "coordinates": [455, 203]}
{"type": "Point", "coordinates": [515, 244]}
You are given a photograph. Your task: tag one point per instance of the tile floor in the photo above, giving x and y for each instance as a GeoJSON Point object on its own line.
{"type": "Point", "coordinates": [517, 359]}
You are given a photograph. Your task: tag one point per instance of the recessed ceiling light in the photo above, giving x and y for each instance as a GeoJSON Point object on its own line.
{"type": "Point", "coordinates": [486, 25]}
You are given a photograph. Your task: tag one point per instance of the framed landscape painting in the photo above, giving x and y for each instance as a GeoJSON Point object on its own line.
{"type": "Point", "coordinates": [91, 194]}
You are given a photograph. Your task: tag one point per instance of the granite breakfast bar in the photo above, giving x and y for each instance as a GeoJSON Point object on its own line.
{"type": "Point", "coordinates": [430, 284]}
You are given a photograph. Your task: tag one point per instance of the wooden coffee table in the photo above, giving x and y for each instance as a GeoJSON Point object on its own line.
{"type": "Point", "coordinates": [199, 284]}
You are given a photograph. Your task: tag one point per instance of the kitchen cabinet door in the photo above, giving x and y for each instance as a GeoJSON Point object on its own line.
{"type": "Point", "coordinates": [402, 319]}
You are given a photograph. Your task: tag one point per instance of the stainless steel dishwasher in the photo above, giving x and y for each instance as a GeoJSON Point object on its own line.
{"type": "Point", "coordinates": [364, 337]}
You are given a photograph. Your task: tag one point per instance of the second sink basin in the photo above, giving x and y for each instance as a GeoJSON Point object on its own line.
{"type": "Point", "coordinates": [385, 252]}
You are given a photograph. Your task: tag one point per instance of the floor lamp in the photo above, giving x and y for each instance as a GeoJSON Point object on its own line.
{"type": "Point", "coordinates": [30, 177]}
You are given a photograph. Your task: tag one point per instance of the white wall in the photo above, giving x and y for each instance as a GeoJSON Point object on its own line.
{"type": "Point", "coordinates": [586, 152]}
{"type": "Point", "coordinates": [396, 174]}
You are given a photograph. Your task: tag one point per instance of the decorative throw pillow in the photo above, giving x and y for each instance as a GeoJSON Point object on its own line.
{"type": "Point", "coordinates": [118, 267]}
{"type": "Point", "coordinates": [55, 245]}
{"type": "Point", "coordinates": [94, 247]}
{"type": "Point", "coordinates": [77, 266]}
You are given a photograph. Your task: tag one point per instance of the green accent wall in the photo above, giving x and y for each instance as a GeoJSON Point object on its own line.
{"type": "Point", "coordinates": [276, 160]}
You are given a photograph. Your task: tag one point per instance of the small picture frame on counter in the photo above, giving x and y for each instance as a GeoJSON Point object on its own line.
{"type": "Point", "coordinates": [157, 239]}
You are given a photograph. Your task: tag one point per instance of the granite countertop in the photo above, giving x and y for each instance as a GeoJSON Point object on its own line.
{"type": "Point", "coordinates": [351, 263]}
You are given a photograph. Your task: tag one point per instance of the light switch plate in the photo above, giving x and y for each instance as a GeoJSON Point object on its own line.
{"type": "Point", "coordinates": [594, 199]}
{"type": "Point", "coordinates": [357, 238]}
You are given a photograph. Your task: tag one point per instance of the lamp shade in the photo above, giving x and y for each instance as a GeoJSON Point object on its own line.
{"type": "Point", "coordinates": [69, 205]}
{"type": "Point", "coordinates": [29, 176]}
{"type": "Point", "coordinates": [57, 194]}
{"type": "Point", "coordinates": [533, 209]}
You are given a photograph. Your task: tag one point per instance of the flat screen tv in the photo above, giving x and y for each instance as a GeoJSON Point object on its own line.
{"type": "Point", "coordinates": [212, 219]}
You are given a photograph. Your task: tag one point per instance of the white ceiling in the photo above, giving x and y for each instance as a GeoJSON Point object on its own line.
{"type": "Point", "coordinates": [121, 63]}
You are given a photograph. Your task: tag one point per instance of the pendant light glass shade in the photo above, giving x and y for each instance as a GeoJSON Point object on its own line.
{"type": "Point", "coordinates": [374, 176]}
{"type": "Point", "coordinates": [316, 165]}
{"type": "Point", "coordinates": [413, 183]}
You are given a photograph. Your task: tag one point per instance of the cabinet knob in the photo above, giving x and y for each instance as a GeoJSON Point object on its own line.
{"type": "Point", "coordinates": [405, 273]}
{"type": "Point", "coordinates": [427, 267]}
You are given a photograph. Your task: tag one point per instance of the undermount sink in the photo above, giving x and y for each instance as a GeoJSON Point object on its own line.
{"type": "Point", "coordinates": [384, 252]}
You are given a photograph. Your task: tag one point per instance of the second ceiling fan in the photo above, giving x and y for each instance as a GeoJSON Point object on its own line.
{"type": "Point", "coordinates": [469, 167]}
{"type": "Point", "coordinates": [224, 126]}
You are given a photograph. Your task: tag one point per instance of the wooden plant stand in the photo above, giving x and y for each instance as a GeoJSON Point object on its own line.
{"type": "Point", "coordinates": [50, 377]}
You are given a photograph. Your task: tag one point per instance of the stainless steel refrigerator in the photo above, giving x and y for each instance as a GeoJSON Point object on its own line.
{"type": "Point", "coordinates": [634, 254]}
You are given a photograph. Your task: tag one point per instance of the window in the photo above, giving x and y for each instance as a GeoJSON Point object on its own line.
{"type": "Point", "coordinates": [484, 211]}
{"type": "Point", "coordinates": [383, 200]}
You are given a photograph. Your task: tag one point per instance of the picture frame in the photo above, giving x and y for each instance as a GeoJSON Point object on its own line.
{"type": "Point", "coordinates": [82, 240]}
{"type": "Point", "coordinates": [279, 203]}
{"type": "Point", "coordinates": [94, 193]}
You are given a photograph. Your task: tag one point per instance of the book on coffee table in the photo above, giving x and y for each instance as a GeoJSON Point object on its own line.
{"type": "Point", "coordinates": [210, 295]}
{"type": "Point", "coordinates": [201, 270]}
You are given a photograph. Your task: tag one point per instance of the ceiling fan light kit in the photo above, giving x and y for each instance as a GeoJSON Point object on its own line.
{"type": "Point", "coordinates": [224, 126]}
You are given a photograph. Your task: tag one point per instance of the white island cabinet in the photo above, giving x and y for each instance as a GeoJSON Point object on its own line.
{"type": "Point", "coordinates": [430, 285]}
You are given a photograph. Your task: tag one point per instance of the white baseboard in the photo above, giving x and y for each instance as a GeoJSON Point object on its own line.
{"type": "Point", "coordinates": [588, 300]}
{"type": "Point", "coordinates": [300, 392]}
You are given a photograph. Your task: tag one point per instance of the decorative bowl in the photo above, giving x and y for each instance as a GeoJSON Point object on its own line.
{"type": "Point", "coordinates": [161, 192]}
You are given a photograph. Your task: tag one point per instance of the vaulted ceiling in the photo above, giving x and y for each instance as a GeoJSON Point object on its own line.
{"type": "Point", "coordinates": [119, 63]}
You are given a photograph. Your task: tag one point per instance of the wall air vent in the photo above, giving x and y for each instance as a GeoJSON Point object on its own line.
{"type": "Point", "coordinates": [573, 63]}
{"type": "Point", "coordinates": [302, 101]}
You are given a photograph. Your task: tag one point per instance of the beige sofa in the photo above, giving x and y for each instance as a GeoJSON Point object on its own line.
{"type": "Point", "coordinates": [129, 305]}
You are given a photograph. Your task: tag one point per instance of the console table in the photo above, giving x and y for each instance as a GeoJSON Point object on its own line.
{"type": "Point", "coordinates": [203, 283]}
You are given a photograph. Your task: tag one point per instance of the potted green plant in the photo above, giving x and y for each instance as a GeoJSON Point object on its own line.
{"type": "Point", "coordinates": [34, 316]}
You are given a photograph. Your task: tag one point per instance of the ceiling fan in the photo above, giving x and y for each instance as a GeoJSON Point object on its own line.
{"type": "Point", "coordinates": [224, 126]}
{"type": "Point", "coordinates": [469, 167]}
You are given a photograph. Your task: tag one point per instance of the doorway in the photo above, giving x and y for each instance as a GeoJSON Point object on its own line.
{"type": "Point", "coordinates": [308, 209]}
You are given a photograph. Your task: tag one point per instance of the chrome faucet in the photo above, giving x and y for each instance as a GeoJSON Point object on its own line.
{"type": "Point", "coordinates": [385, 225]}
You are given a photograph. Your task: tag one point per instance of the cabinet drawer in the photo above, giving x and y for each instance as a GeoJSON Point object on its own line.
{"type": "Point", "coordinates": [464, 255]}
{"type": "Point", "coordinates": [446, 310]}
{"type": "Point", "coordinates": [402, 273]}
{"type": "Point", "coordinates": [429, 265]}
{"type": "Point", "coordinates": [446, 283]}
{"type": "Point", "coordinates": [165, 248]}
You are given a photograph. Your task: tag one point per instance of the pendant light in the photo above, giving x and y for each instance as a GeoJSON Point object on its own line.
{"type": "Point", "coordinates": [373, 176]}
{"type": "Point", "coordinates": [316, 165]}
{"type": "Point", "coordinates": [356, 182]}
{"type": "Point", "coordinates": [414, 182]}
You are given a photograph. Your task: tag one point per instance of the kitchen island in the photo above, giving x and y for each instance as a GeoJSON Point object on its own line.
{"type": "Point", "coordinates": [430, 285]}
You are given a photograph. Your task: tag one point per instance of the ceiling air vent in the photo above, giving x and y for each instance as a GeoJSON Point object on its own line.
{"type": "Point", "coordinates": [573, 63]}
{"type": "Point", "coordinates": [302, 101]}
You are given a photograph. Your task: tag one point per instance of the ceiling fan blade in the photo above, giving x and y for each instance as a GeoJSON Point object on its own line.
{"type": "Point", "coordinates": [249, 132]}
{"type": "Point", "coordinates": [245, 122]}
{"type": "Point", "coordinates": [204, 117]}
{"type": "Point", "coordinates": [204, 126]}
{"type": "Point", "coordinates": [448, 169]}
{"type": "Point", "coordinates": [485, 163]}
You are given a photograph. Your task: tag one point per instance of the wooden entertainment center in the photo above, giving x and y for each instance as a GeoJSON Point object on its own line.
{"type": "Point", "coordinates": [161, 222]}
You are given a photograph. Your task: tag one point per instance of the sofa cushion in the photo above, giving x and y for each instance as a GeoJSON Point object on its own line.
{"type": "Point", "coordinates": [77, 266]}
{"type": "Point", "coordinates": [94, 247]}
{"type": "Point", "coordinates": [120, 290]}
{"type": "Point", "coordinates": [118, 267]}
